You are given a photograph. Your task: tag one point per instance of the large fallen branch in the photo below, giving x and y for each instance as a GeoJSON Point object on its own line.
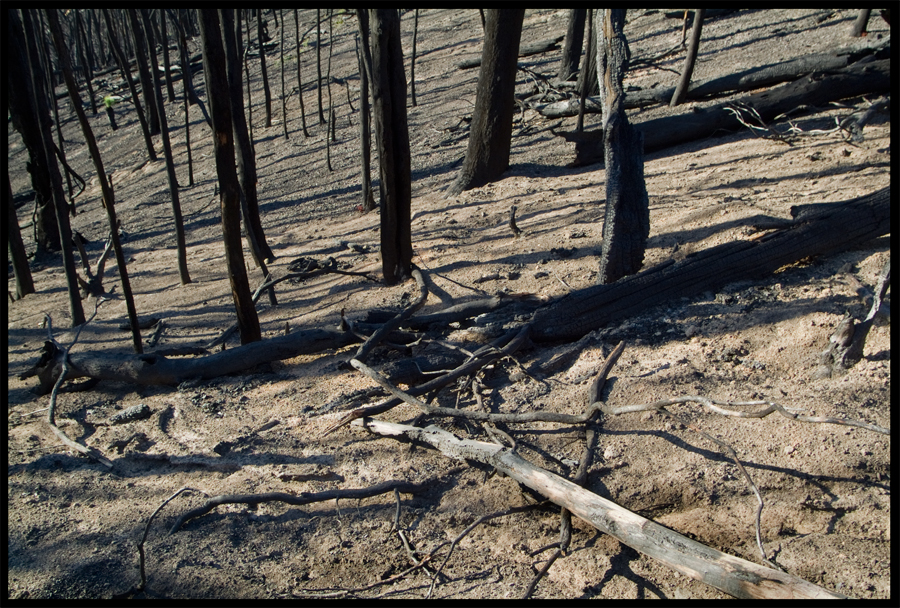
{"type": "Point", "coordinates": [816, 230]}
{"type": "Point", "coordinates": [732, 575]}
{"type": "Point", "coordinates": [873, 78]}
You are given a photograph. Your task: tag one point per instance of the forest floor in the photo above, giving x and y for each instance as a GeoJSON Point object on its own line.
{"type": "Point", "coordinates": [74, 526]}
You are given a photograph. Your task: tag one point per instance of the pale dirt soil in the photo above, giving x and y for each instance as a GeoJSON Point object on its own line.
{"type": "Point", "coordinates": [73, 526]}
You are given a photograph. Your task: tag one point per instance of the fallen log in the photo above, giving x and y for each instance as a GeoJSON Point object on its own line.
{"type": "Point", "coordinates": [154, 369]}
{"type": "Point", "coordinates": [534, 48]}
{"type": "Point", "coordinates": [747, 80]}
{"type": "Point", "coordinates": [732, 575]}
{"type": "Point", "coordinates": [816, 230]}
{"type": "Point", "coordinates": [872, 78]}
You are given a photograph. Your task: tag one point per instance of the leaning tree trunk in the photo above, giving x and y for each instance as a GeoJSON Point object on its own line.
{"type": "Point", "coordinates": [626, 225]}
{"type": "Point", "coordinates": [681, 89]}
{"type": "Point", "coordinates": [229, 189]}
{"type": "Point", "coordinates": [180, 242]}
{"type": "Point", "coordinates": [108, 198]}
{"type": "Point", "coordinates": [31, 115]}
{"type": "Point", "coordinates": [392, 137]}
{"type": "Point", "coordinates": [487, 156]}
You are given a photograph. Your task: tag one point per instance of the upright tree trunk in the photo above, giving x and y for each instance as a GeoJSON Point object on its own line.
{"type": "Point", "coordinates": [392, 137]}
{"type": "Point", "coordinates": [368, 201]}
{"type": "Point", "coordinates": [164, 41]}
{"type": "Point", "coordinates": [246, 159]}
{"type": "Point", "coordinates": [627, 221]}
{"type": "Point", "coordinates": [108, 199]}
{"type": "Point", "coordinates": [144, 72]}
{"type": "Point", "coordinates": [170, 161]}
{"type": "Point", "coordinates": [284, 120]}
{"type": "Point", "coordinates": [299, 78]}
{"type": "Point", "coordinates": [31, 116]}
{"type": "Point", "coordinates": [412, 61]}
{"type": "Point", "coordinates": [319, 63]}
{"type": "Point", "coordinates": [487, 156]}
{"type": "Point", "coordinates": [24, 282]}
{"type": "Point", "coordinates": [229, 189]}
{"type": "Point", "coordinates": [262, 64]}
{"type": "Point", "coordinates": [85, 59]}
{"type": "Point", "coordinates": [571, 56]}
{"type": "Point", "coordinates": [126, 74]}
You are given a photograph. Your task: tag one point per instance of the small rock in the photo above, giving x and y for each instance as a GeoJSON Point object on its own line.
{"type": "Point", "coordinates": [789, 449]}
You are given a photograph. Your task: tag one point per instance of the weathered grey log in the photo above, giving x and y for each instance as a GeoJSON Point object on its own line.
{"type": "Point", "coordinates": [873, 78]}
{"type": "Point", "coordinates": [828, 229]}
{"type": "Point", "coordinates": [534, 48]}
{"type": "Point", "coordinates": [732, 575]}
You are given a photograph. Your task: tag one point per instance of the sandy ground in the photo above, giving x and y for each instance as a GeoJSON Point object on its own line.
{"type": "Point", "coordinates": [74, 526]}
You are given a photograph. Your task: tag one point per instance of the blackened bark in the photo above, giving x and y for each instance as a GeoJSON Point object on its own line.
{"type": "Point", "coordinates": [571, 56]}
{"type": "Point", "coordinates": [262, 64]}
{"type": "Point", "coordinates": [229, 189]}
{"type": "Point", "coordinates": [681, 89]}
{"type": "Point", "coordinates": [487, 156]}
{"type": "Point", "coordinates": [164, 41]}
{"type": "Point", "coordinates": [299, 78]}
{"type": "Point", "coordinates": [85, 62]}
{"type": "Point", "coordinates": [392, 137]}
{"type": "Point", "coordinates": [626, 225]}
{"type": "Point", "coordinates": [24, 282]}
{"type": "Point", "coordinates": [31, 117]}
{"type": "Point", "coordinates": [246, 159]}
{"type": "Point", "coordinates": [108, 198]}
{"type": "Point", "coordinates": [284, 120]}
{"type": "Point", "coordinates": [319, 63]}
{"type": "Point", "coordinates": [144, 72]}
{"type": "Point", "coordinates": [412, 61]}
{"type": "Point", "coordinates": [180, 242]}
{"type": "Point", "coordinates": [365, 134]}
{"type": "Point", "coordinates": [126, 74]}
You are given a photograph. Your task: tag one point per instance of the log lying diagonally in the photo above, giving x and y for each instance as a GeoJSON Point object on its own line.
{"type": "Point", "coordinates": [816, 230]}
{"type": "Point", "coordinates": [732, 575]}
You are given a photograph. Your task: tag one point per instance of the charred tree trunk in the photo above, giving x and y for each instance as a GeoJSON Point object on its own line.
{"type": "Point", "coordinates": [229, 189]}
{"type": "Point", "coordinates": [392, 137]}
{"type": "Point", "coordinates": [365, 133]}
{"type": "Point", "coordinates": [164, 42]}
{"type": "Point", "coordinates": [144, 72]}
{"type": "Point", "coordinates": [861, 23]}
{"type": "Point", "coordinates": [24, 282]}
{"type": "Point", "coordinates": [818, 229]}
{"type": "Point", "coordinates": [180, 241]}
{"type": "Point", "coordinates": [262, 64]}
{"type": "Point", "coordinates": [319, 63]}
{"type": "Point", "coordinates": [284, 119]}
{"type": "Point", "coordinates": [31, 116]}
{"type": "Point", "coordinates": [108, 199]}
{"type": "Point", "coordinates": [246, 159]}
{"type": "Point", "coordinates": [571, 56]}
{"type": "Point", "coordinates": [691, 58]}
{"type": "Point", "coordinates": [626, 225]}
{"type": "Point", "coordinates": [487, 156]}
{"type": "Point", "coordinates": [126, 74]}
{"type": "Point", "coordinates": [299, 78]}
{"type": "Point", "coordinates": [412, 60]}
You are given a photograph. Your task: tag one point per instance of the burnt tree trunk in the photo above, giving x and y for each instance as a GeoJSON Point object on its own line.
{"type": "Point", "coordinates": [164, 42]}
{"type": "Point", "coordinates": [392, 138]}
{"type": "Point", "coordinates": [24, 281]}
{"type": "Point", "coordinates": [691, 58]}
{"type": "Point", "coordinates": [487, 156]}
{"type": "Point", "coordinates": [818, 229]}
{"type": "Point", "coordinates": [571, 56]}
{"type": "Point", "coordinates": [267, 93]}
{"type": "Point", "coordinates": [299, 77]}
{"type": "Point", "coordinates": [412, 60]}
{"type": "Point", "coordinates": [144, 72]}
{"type": "Point", "coordinates": [180, 242]}
{"type": "Point", "coordinates": [108, 198]}
{"type": "Point", "coordinates": [31, 116]}
{"type": "Point", "coordinates": [229, 189]}
{"type": "Point", "coordinates": [365, 132]}
{"type": "Point", "coordinates": [815, 90]}
{"type": "Point", "coordinates": [319, 63]}
{"type": "Point", "coordinates": [626, 225]}
{"type": "Point", "coordinates": [85, 62]}
{"type": "Point", "coordinates": [126, 74]}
